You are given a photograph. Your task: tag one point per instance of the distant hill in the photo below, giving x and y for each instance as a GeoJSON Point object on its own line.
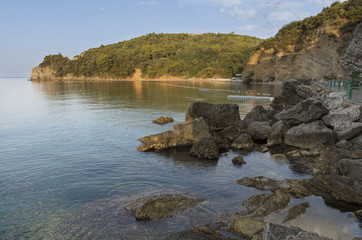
{"type": "Point", "coordinates": [310, 48]}
{"type": "Point", "coordinates": [156, 56]}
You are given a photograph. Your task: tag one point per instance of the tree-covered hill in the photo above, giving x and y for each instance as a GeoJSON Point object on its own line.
{"type": "Point", "coordinates": [299, 34]}
{"type": "Point", "coordinates": [188, 55]}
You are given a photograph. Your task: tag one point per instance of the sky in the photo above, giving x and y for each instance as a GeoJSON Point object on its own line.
{"type": "Point", "coordinates": [32, 29]}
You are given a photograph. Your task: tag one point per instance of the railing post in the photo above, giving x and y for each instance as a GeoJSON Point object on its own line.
{"type": "Point", "coordinates": [349, 91]}
{"type": "Point", "coordinates": [339, 85]}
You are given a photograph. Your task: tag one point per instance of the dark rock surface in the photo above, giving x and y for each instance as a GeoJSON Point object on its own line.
{"type": "Point", "coordinates": [244, 141]}
{"type": "Point", "coordinates": [239, 160]}
{"type": "Point", "coordinates": [257, 114]}
{"type": "Point", "coordinates": [277, 133]}
{"type": "Point", "coordinates": [205, 148]}
{"type": "Point", "coordinates": [245, 226]}
{"type": "Point", "coordinates": [259, 130]}
{"type": "Point", "coordinates": [163, 120]}
{"type": "Point", "coordinates": [296, 211]}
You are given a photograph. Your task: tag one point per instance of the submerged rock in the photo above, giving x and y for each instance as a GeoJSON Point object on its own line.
{"type": "Point", "coordinates": [278, 232]}
{"type": "Point", "coordinates": [296, 211]}
{"type": "Point", "coordinates": [217, 116]}
{"type": "Point", "coordinates": [239, 160]}
{"type": "Point", "coordinates": [261, 183]}
{"type": "Point", "coordinates": [161, 207]}
{"type": "Point", "coordinates": [280, 157]}
{"type": "Point", "coordinates": [205, 148]}
{"type": "Point", "coordinates": [183, 135]}
{"type": "Point", "coordinates": [163, 120]}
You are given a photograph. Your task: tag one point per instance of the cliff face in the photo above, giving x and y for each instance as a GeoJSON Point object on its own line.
{"type": "Point", "coordinates": [319, 60]}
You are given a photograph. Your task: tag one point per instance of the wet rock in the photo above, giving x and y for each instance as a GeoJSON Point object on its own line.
{"type": "Point", "coordinates": [317, 149]}
{"type": "Point", "coordinates": [277, 133]}
{"type": "Point", "coordinates": [344, 144]}
{"type": "Point", "coordinates": [186, 235]}
{"type": "Point", "coordinates": [217, 116]}
{"type": "Point", "coordinates": [208, 231]}
{"type": "Point", "coordinates": [338, 116]}
{"type": "Point", "coordinates": [254, 202]}
{"type": "Point", "coordinates": [303, 235]}
{"type": "Point", "coordinates": [257, 114]}
{"type": "Point", "coordinates": [239, 160]}
{"type": "Point", "coordinates": [336, 100]}
{"type": "Point", "coordinates": [205, 148]}
{"type": "Point", "coordinates": [261, 183]}
{"type": "Point", "coordinates": [163, 120]}
{"type": "Point", "coordinates": [246, 226]}
{"type": "Point", "coordinates": [351, 168]}
{"type": "Point", "coordinates": [296, 211]}
{"type": "Point", "coordinates": [277, 201]}
{"type": "Point", "coordinates": [358, 213]}
{"type": "Point", "coordinates": [305, 111]}
{"type": "Point", "coordinates": [222, 143]}
{"type": "Point", "coordinates": [278, 232]}
{"type": "Point", "coordinates": [161, 207]}
{"type": "Point", "coordinates": [308, 135]}
{"type": "Point", "coordinates": [299, 153]}
{"type": "Point", "coordinates": [183, 135]}
{"type": "Point", "coordinates": [230, 133]}
{"type": "Point", "coordinates": [347, 130]}
{"type": "Point", "coordinates": [280, 157]}
{"type": "Point", "coordinates": [259, 130]}
{"type": "Point", "coordinates": [244, 141]}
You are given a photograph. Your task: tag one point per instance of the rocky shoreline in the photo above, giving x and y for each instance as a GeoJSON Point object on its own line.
{"type": "Point", "coordinates": [320, 129]}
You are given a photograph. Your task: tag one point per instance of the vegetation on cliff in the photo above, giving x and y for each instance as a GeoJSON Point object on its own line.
{"type": "Point", "coordinates": [190, 55]}
{"type": "Point", "coordinates": [297, 35]}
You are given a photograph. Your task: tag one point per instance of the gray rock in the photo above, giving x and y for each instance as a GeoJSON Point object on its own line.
{"type": "Point", "coordinates": [296, 211]}
{"type": "Point", "coordinates": [257, 114]}
{"type": "Point", "coordinates": [299, 153]}
{"type": "Point", "coordinates": [246, 226]}
{"type": "Point", "coordinates": [351, 168]}
{"type": "Point", "coordinates": [163, 120]}
{"type": "Point", "coordinates": [259, 130]}
{"type": "Point", "coordinates": [222, 143]}
{"type": "Point", "coordinates": [161, 206]}
{"type": "Point", "coordinates": [338, 116]}
{"type": "Point", "coordinates": [230, 133]}
{"type": "Point", "coordinates": [278, 232]}
{"type": "Point", "coordinates": [186, 235]}
{"type": "Point", "coordinates": [344, 144]}
{"type": "Point", "coordinates": [239, 160]}
{"type": "Point", "coordinates": [280, 157]}
{"type": "Point", "coordinates": [347, 130]}
{"type": "Point", "coordinates": [303, 235]}
{"type": "Point", "coordinates": [357, 139]}
{"type": "Point", "coordinates": [277, 201]}
{"type": "Point", "coordinates": [305, 111]}
{"type": "Point", "coordinates": [260, 182]}
{"type": "Point", "coordinates": [288, 96]}
{"type": "Point", "coordinates": [217, 116]}
{"type": "Point", "coordinates": [277, 133]}
{"type": "Point", "coordinates": [336, 100]}
{"type": "Point", "coordinates": [244, 141]}
{"type": "Point", "coordinates": [183, 135]}
{"type": "Point", "coordinates": [308, 135]}
{"type": "Point", "coordinates": [205, 148]}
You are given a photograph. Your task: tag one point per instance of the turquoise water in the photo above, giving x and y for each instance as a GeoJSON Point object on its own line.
{"type": "Point", "coordinates": [64, 145]}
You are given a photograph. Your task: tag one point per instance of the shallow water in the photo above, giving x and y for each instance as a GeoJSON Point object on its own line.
{"type": "Point", "coordinates": [65, 147]}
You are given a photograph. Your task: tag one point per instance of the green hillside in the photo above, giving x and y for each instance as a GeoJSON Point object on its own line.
{"type": "Point", "coordinates": [189, 55]}
{"type": "Point", "coordinates": [344, 16]}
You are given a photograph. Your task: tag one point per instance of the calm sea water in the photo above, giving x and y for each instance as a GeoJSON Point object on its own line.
{"type": "Point", "coordinates": [64, 146]}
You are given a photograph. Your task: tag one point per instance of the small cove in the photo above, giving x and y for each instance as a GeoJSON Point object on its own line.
{"type": "Point", "coordinates": [69, 145]}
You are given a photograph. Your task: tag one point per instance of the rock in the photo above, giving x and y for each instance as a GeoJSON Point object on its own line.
{"type": "Point", "coordinates": [261, 183]}
{"type": "Point", "coordinates": [186, 235]}
{"type": "Point", "coordinates": [208, 231]}
{"type": "Point", "coordinates": [239, 160]}
{"type": "Point", "coordinates": [278, 232]}
{"type": "Point", "coordinates": [303, 235]}
{"type": "Point", "coordinates": [245, 226]}
{"type": "Point", "coordinates": [308, 135]}
{"type": "Point", "coordinates": [344, 144]}
{"type": "Point", "coordinates": [217, 116]}
{"type": "Point", "coordinates": [257, 114]}
{"type": "Point", "coordinates": [299, 153]}
{"type": "Point", "coordinates": [305, 111]}
{"type": "Point", "coordinates": [347, 130]}
{"type": "Point", "coordinates": [244, 141]}
{"type": "Point", "coordinates": [259, 130]}
{"type": "Point", "coordinates": [205, 148]}
{"type": "Point", "coordinates": [296, 211]}
{"type": "Point", "coordinates": [288, 96]}
{"type": "Point", "coordinates": [336, 100]}
{"type": "Point", "coordinates": [358, 213]}
{"type": "Point", "coordinates": [163, 120]}
{"type": "Point", "coordinates": [161, 206]}
{"type": "Point", "coordinates": [357, 139]}
{"type": "Point", "coordinates": [230, 133]}
{"type": "Point", "coordinates": [183, 135]}
{"type": "Point", "coordinates": [277, 201]}
{"type": "Point", "coordinates": [317, 150]}
{"type": "Point", "coordinates": [277, 133]}
{"type": "Point", "coordinates": [222, 143]}
{"type": "Point", "coordinates": [351, 168]}
{"type": "Point", "coordinates": [280, 157]}
{"type": "Point", "coordinates": [341, 115]}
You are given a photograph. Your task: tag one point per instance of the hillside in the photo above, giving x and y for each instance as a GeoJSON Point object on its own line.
{"type": "Point", "coordinates": [155, 56]}
{"type": "Point", "coordinates": [310, 48]}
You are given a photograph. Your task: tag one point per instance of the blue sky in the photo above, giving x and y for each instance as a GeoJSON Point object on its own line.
{"type": "Point", "coordinates": [31, 29]}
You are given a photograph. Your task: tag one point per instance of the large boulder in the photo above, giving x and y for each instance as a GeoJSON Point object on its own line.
{"type": "Point", "coordinates": [339, 116]}
{"type": "Point", "coordinates": [259, 130]}
{"type": "Point", "coordinates": [288, 96]}
{"type": "Point", "coordinates": [205, 148]}
{"type": "Point", "coordinates": [347, 130]}
{"type": "Point", "coordinates": [230, 133]}
{"type": "Point", "coordinates": [217, 116]}
{"type": "Point", "coordinates": [183, 135]}
{"type": "Point", "coordinates": [305, 111]}
{"type": "Point", "coordinates": [308, 135]}
{"type": "Point", "coordinates": [357, 139]}
{"type": "Point", "coordinates": [161, 206]}
{"type": "Point", "coordinates": [257, 114]}
{"type": "Point", "coordinates": [336, 100]}
{"type": "Point", "coordinates": [244, 141]}
{"type": "Point", "coordinates": [277, 133]}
